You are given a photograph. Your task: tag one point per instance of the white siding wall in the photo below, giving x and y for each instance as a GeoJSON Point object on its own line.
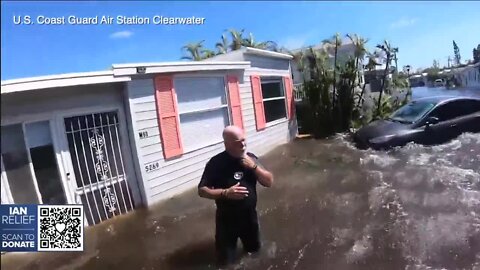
{"type": "Point", "coordinates": [264, 62]}
{"type": "Point", "coordinates": [260, 142]}
{"type": "Point", "coordinates": [172, 177]}
{"type": "Point", "coordinates": [167, 178]}
{"type": "Point", "coordinates": [471, 75]}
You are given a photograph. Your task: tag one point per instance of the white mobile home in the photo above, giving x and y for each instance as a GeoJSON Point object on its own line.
{"type": "Point", "coordinates": [139, 133]}
{"type": "Point", "coordinates": [469, 76]}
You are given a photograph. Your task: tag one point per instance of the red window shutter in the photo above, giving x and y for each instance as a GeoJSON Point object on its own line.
{"type": "Point", "coordinates": [168, 120]}
{"type": "Point", "coordinates": [235, 102]}
{"type": "Point", "coordinates": [289, 94]}
{"type": "Point", "coordinates": [258, 101]}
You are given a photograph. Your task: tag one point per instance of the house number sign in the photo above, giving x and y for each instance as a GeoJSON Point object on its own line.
{"type": "Point", "coordinates": [152, 166]}
{"type": "Point", "coordinates": [143, 134]}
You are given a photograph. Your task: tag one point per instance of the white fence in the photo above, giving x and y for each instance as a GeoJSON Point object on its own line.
{"type": "Point", "coordinates": [298, 92]}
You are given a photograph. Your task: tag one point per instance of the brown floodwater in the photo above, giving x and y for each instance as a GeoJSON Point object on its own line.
{"type": "Point", "coordinates": [331, 207]}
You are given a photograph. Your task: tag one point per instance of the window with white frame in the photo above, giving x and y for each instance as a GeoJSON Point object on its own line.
{"type": "Point", "coordinates": [203, 110]}
{"type": "Point", "coordinates": [273, 92]}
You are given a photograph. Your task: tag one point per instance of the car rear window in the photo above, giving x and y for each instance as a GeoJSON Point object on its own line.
{"type": "Point", "coordinates": [412, 112]}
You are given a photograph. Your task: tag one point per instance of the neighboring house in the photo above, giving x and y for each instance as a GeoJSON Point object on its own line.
{"type": "Point", "coordinates": [375, 77]}
{"type": "Point", "coordinates": [469, 76]}
{"type": "Point", "coordinates": [418, 80]}
{"type": "Point", "coordinates": [137, 134]}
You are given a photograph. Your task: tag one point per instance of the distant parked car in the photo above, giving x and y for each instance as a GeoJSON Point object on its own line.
{"type": "Point", "coordinates": [432, 120]}
{"type": "Point", "coordinates": [438, 83]}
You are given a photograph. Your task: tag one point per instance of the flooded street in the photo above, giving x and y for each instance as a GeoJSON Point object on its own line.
{"type": "Point", "coordinates": [332, 207]}
{"type": "Point", "coordinates": [419, 92]}
{"type": "Point", "coordinates": [141, 135]}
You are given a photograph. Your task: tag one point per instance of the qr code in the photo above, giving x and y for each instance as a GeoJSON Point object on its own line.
{"type": "Point", "coordinates": [60, 228]}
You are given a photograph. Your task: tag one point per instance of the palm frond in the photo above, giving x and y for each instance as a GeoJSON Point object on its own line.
{"type": "Point", "coordinates": [237, 39]}
{"type": "Point", "coordinates": [193, 49]}
{"type": "Point", "coordinates": [206, 53]}
{"type": "Point", "coordinates": [222, 46]}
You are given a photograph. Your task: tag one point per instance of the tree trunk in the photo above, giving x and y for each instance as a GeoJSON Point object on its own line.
{"type": "Point", "coordinates": [352, 93]}
{"type": "Point", "coordinates": [396, 64]}
{"type": "Point", "coordinates": [334, 76]}
{"type": "Point", "coordinates": [336, 119]}
{"type": "Point", "coordinates": [356, 73]}
{"type": "Point", "coordinates": [361, 94]}
{"type": "Point", "coordinates": [383, 85]}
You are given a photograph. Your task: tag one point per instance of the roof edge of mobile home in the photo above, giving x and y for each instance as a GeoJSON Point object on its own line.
{"type": "Point", "coordinates": [236, 54]}
{"type": "Point", "coordinates": [119, 73]}
{"type": "Point", "coordinates": [167, 67]}
{"type": "Point", "coordinates": [256, 51]}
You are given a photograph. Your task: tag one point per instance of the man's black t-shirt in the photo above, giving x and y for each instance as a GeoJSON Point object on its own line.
{"type": "Point", "coordinates": [224, 171]}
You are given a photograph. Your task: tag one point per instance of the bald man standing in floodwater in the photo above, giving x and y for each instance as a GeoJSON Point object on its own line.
{"type": "Point", "coordinates": [230, 178]}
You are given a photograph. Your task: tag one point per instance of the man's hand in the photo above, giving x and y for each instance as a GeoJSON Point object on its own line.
{"type": "Point", "coordinates": [236, 192]}
{"type": "Point", "coordinates": [264, 177]}
{"type": "Point", "coordinates": [248, 163]}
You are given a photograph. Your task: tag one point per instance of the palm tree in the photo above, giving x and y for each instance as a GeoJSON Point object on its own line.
{"type": "Point", "coordinates": [281, 50]}
{"type": "Point", "coordinates": [394, 53]}
{"type": "Point", "coordinates": [193, 49]}
{"type": "Point", "coordinates": [222, 46]}
{"type": "Point", "coordinates": [335, 42]}
{"type": "Point", "coordinates": [273, 46]}
{"type": "Point", "coordinates": [237, 39]}
{"type": "Point", "coordinates": [387, 49]}
{"type": "Point", "coordinates": [317, 62]}
{"type": "Point", "coordinates": [250, 42]}
{"type": "Point", "coordinates": [206, 53]}
{"type": "Point", "coordinates": [266, 45]}
{"type": "Point", "coordinates": [298, 58]}
{"type": "Point", "coordinates": [317, 90]}
{"type": "Point", "coordinates": [360, 50]}
{"type": "Point", "coordinates": [370, 66]}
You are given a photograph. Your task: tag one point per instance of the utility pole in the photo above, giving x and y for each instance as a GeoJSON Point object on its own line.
{"type": "Point", "coordinates": [395, 50]}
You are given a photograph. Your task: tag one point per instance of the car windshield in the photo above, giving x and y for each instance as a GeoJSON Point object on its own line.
{"type": "Point", "coordinates": [411, 112]}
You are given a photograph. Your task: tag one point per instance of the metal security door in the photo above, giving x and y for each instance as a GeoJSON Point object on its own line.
{"type": "Point", "coordinates": [94, 143]}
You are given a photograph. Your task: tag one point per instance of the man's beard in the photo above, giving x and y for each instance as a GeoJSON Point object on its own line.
{"type": "Point", "coordinates": [241, 154]}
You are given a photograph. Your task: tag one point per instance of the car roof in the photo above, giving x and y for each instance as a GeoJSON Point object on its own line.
{"type": "Point", "coordinates": [443, 99]}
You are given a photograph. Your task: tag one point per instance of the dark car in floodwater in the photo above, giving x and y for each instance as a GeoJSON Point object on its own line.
{"type": "Point", "coordinates": [428, 121]}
